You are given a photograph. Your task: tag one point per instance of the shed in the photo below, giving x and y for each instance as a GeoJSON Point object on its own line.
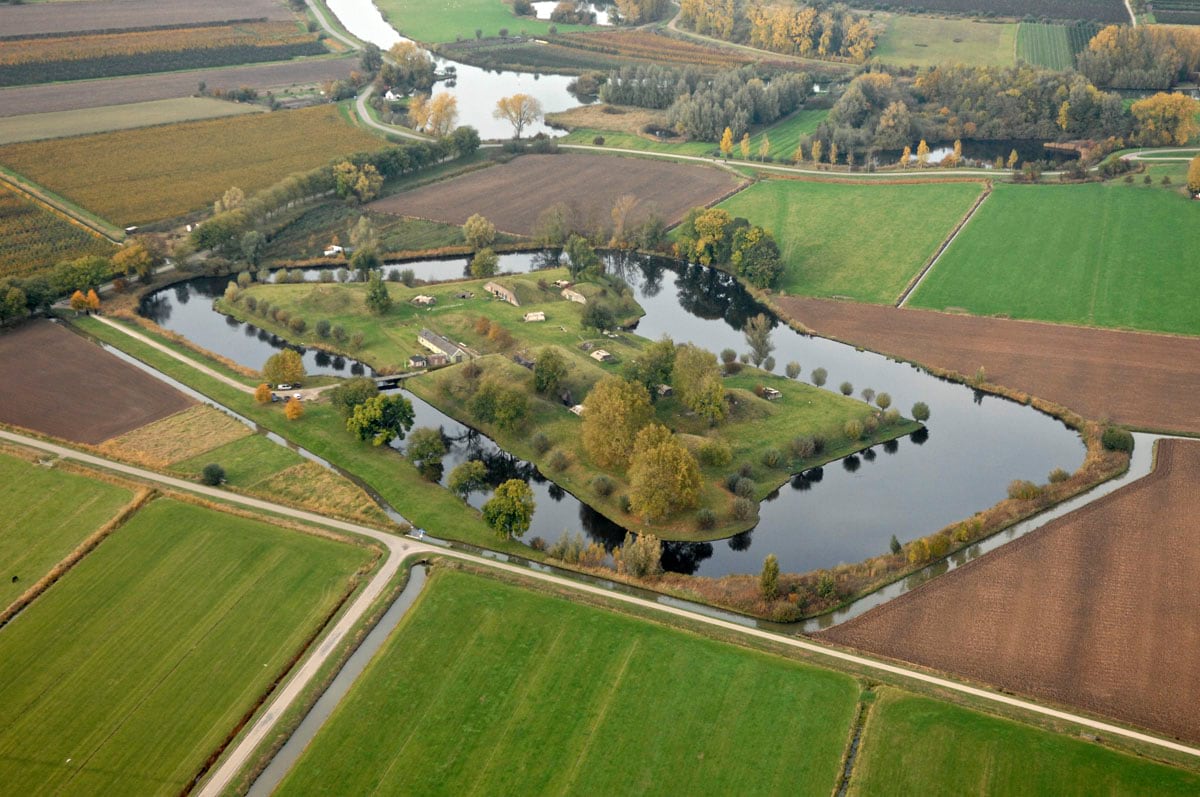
{"type": "Point", "coordinates": [423, 300]}
{"type": "Point", "coordinates": [334, 251]}
{"type": "Point", "coordinates": [501, 292]}
{"type": "Point", "coordinates": [418, 361]}
{"type": "Point", "coordinates": [771, 394]}
{"type": "Point", "coordinates": [562, 284]}
{"type": "Point", "coordinates": [600, 355]}
{"type": "Point", "coordinates": [663, 391]}
{"type": "Point", "coordinates": [572, 295]}
{"type": "Point", "coordinates": [536, 315]}
{"type": "Point", "coordinates": [577, 409]}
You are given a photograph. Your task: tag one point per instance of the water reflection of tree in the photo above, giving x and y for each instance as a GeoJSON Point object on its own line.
{"type": "Point", "coordinates": [852, 463]}
{"type": "Point", "coordinates": [156, 308]}
{"type": "Point", "coordinates": [711, 294]}
{"type": "Point", "coordinates": [891, 446]}
{"type": "Point", "coordinates": [684, 557]}
{"type": "Point", "coordinates": [741, 542]}
{"type": "Point", "coordinates": [919, 436]}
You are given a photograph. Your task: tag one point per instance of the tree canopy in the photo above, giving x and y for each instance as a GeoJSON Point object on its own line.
{"type": "Point", "coordinates": [285, 367]}
{"type": "Point", "coordinates": [519, 110]}
{"type": "Point", "coordinates": [614, 412]}
{"type": "Point", "coordinates": [663, 475]}
{"type": "Point", "coordinates": [697, 381]}
{"type": "Point", "coordinates": [381, 419]}
{"type": "Point", "coordinates": [510, 510]}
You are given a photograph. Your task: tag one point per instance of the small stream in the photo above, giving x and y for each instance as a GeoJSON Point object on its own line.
{"type": "Point", "coordinates": [846, 511]}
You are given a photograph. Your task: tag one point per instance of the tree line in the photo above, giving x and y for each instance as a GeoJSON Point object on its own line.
{"type": "Point", "coordinates": [1146, 57]}
{"type": "Point", "coordinates": [812, 30]}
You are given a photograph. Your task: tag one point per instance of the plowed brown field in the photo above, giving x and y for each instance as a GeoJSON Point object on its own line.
{"type": "Point", "coordinates": [57, 383]}
{"type": "Point", "coordinates": [43, 18]}
{"type": "Point", "coordinates": [1097, 609]}
{"type": "Point", "coordinates": [1141, 380]}
{"type": "Point", "coordinates": [513, 195]}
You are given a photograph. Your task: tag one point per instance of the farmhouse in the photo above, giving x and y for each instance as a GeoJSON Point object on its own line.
{"type": "Point", "coordinates": [537, 315]}
{"type": "Point", "coordinates": [501, 292]}
{"type": "Point", "coordinates": [574, 296]}
{"type": "Point", "coordinates": [424, 301]}
{"type": "Point", "coordinates": [600, 355]}
{"type": "Point", "coordinates": [440, 346]}
{"type": "Point", "coordinates": [418, 361]}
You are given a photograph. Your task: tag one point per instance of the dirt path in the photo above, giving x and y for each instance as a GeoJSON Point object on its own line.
{"type": "Point", "coordinates": [1097, 609]}
{"type": "Point", "coordinates": [1143, 380]}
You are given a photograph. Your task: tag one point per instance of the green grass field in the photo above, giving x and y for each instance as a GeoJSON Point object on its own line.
{"type": "Point", "coordinates": [47, 513]}
{"type": "Point", "coordinates": [1100, 254]}
{"type": "Point", "coordinates": [785, 134]}
{"type": "Point", "coordinates": [60, 124]}
{"type": "Point", "coordinates": [861, 241]}
{"type": "Point", "coordinates": [492, 689]}
{"type": "Point", "coordinates": [247, 460]}
{"type": "Point", "coordinates": [929, 41]}
{"type": "Point", "coordinates": [1045, 45]}
{"type": "Point", "coordinates": [132, 669]}
{"type": "Point", "coordinates": [447, 21]}
{"type": "Point", "coordinates": [916, 745]}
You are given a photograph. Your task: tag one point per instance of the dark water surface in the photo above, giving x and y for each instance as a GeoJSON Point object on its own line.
{"type": "Point", "coordinates": [974, 444]}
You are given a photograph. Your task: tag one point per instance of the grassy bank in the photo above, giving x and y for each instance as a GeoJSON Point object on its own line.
{"type": "Point", "coordinates": [459, 19]}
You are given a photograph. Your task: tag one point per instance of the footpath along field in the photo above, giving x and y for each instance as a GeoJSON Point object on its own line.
{"type": "Point", "coordinates": [129, 672]}
{"type": "Point", "coordinates": [864, 242]}
{"type": "Point", "coordinates": [491, 688]}
{"type": "Point", "coordinates": [150, 174]}
{"type": "Point", "coordinates": [916, 745]}
{"type": "Point", "coordinates": [1099, 254]}
{"type": "Point", "coordinates": [47, 512]}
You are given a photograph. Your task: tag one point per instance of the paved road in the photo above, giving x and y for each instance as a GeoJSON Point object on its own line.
{"type": "Point", "coordinates": [1141, 154]}
{"type": "Point", "coordinates": [398, 548]}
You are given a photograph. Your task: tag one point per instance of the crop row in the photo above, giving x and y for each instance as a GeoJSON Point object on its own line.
{"type": "Point", "coordinates": [33, 238]}
{"type": "Point", "coordinates": [150, 62]}
{"type": "Point", "coordinates": [644, 46]}
{"type": "Point", "coordinates": [1098, 10]}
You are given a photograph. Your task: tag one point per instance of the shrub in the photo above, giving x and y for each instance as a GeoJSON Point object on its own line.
{"type": "Point", "coordinates": [868, 395]}
{"type": "Point", "coordinates": [891, 417]}
{"type": "Point", "coordinates": [623, 502]}
{"type": "Point", "coordinates": [728, 356]}
{"type": "Point", "coordinates": [792, 370]}
{"type": "Point", "coordinates": [339, 333]}
{"type": "Point", "coordinates": [883, 401]}
{"type": "Point", "coordinates": [1058, 476]}
{"type": "Point", "coordinates": [731, 481]}
{"type": "Point", "coordinates": [408, 277]}
{"type": "Point", "coordinates": [251, 303]}
{"type": "Point", "coordinates": [920, 411]}
{"type": "Point", "coordinates": [818, 376]}
{"type": "Point", "coordinates": [558, 460]}
{"type": "Point", "coordinates": [772, 458]}
{"type": "Point", "coordinates": [743, 508]}
{"type": "Point", "coordinates": [323, 328]}
{"type": "Point", "coordinates": [1023, 490]}
{"type": "Point", "coordinates": [826, 586]}
{"type": "Point", "coordinates": [706, 519]}
{"type": "Point", "coordinates": [298, 325]}
{"type": "Point", "coordinates": [846, 388]}
{"type": "Point", "coordinates": [540, 443]}
{"type": "Point", "coordinates": [803, 447]}
{"type": "Point", "coordinates": [1116, 439]}
{"type": "Point", "coordinates": [853, 429]}
{"type": "Point", "coordinates": [537, 544]}
{"type": "Point", "coordinates": [733, 369]}
{"type": "Point", "coordinates": [715, 454]}
{"type": "Point", "coordinates": [356, 340]}
{"type": "Point", "coordinates": [743, 488]}
{"type": "Point", "coordinates": [746, 470]}
{"type": "Point", "coordinates": [598, 141]}
{"type": "Point", "coordinates": [768, 364]}
{"type": "Point", "coordinates": [818, 443]}
{"type": "Point", "coordinates": [870, 425]}
{"type": "Point", "coordinates": [212, 475]}
{"type": "Point", "coordinates": [603, 485]}
{"type": "Point", "coordinates": [325, 276]}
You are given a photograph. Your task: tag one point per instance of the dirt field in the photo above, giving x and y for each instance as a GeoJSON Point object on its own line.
{"type": "Point", "coordinates": [1096, 610]}
{"type": "Point", "coordinates": [1142, 380]}
{"type": "Point", "coordinates": [61, 124]}
{"type": "Point", "coordinates": [77, 95]}
{"type": "Point", "coordinates": [55, 382]}
{"type": "Point", "coordinates": [513, 195]}
{"type": "Point", "coordinates": [27, 20]}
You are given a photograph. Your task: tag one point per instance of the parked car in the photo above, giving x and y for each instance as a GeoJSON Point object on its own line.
{"type": "Point", "coordinates": [298, 396]}
{"type": "Point", "coordinates": [276, 397]}
{"type": "Point", "coordinates": [287, 386]}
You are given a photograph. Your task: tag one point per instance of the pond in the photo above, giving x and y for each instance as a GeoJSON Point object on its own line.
{"type": "Point", "coordinates": [973, 446]}
{"type": "Point", "coordinates": [986, 152]}
{"type": "Point", "coordinates": [476, 89]}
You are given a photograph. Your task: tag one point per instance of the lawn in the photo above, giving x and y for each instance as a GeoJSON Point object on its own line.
{"type": "Point", "coordinates": [448, 21]}
{"type": "Point", "coordinates": [864, 242]}
{"type": "Point", "coordinates": [48, 512]}
{"type": "Point", "coordinates": [492, 689]}
{"type": "Point", "coordinates": [130, 671]}
{"type": "Point", "coordinates": [1100, 254]}
{"type": "Point", "coordinates": [1045, 45]}
{"type": "Point", "coordinates": [139, 176]}
{"type": "Point", "coordinates": [929, 41]}
{"type": "Point", "coordinates": [59, 124]}
{"type": "Point", "coordinates": [916, 745]}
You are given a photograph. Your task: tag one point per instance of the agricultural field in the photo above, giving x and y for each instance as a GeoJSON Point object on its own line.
{"type": "Point", "coordinates": [62, 124]}
{"type": "Point", "coordinates": [181, 436]}
{"type": "Point", "coordinates": [57, 383]}
{"type": "Point", "coordinates": [917, 745]}
{"type": "Point", "coordinates": [34, 238]}
{"type": "Point", "coordinates": [104, 15]}
{"type": "Point", "coordinates": [446, 22]}
{"type": "Point", "coordinates": [784, 135]}
{"type": "Point", "coordinates": [78, 95]}
{"type": "Point", "coordinates": [1052, 46]}
{"type": "Point", "coordinates": [893, 230]}
{"type": "Point", "coordinates": [250, 152]}
{"type": "Point", "coordinates": [1106, 11]}
{"type": "Point", "coordinates": [514, 194]}
{"type": "Point", "coordinates": [1092, 610]}
{"type": "Point", "coordinates": [47, 59]}
{"type": "Point", "coordinates": [311, 232]}
{"type": "Point", "coordinates": [929, 41]}
{"type": "Point", "coordinates": [1142, 381]}
{"type": "Point", "coordinates": [1099, 254]}
{"type": "Point", "coordinates": [1177, 12]}
{"type": "Point", "coordinates": [133, 668]}
{"type": "Point", "coordinates": [493, 688]}
{"type": "Point", "coordinates": [47, 513]}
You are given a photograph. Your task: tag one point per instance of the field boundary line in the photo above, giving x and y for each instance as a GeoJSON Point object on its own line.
{"type": "Point", "coordinates": [916, 281]}
{"type": "Point", "coordinates": [59, 206]}
{"type": "Point", "coordinates": [68, 562]}
{"type": "Point", "coordinates": [406, 545]}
